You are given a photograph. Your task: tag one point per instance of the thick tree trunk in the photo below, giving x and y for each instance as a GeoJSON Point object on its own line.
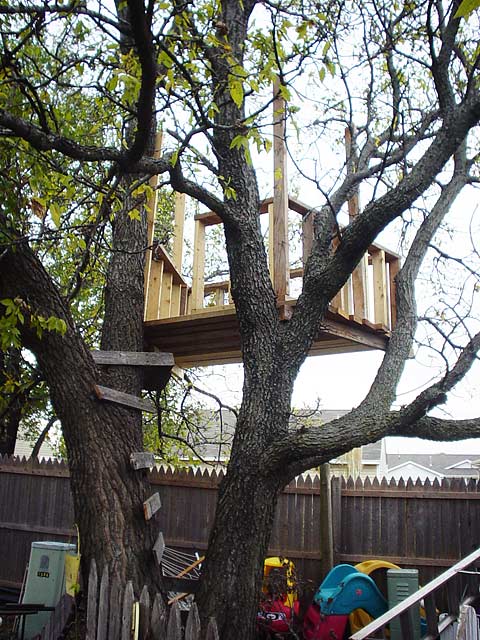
{"type": "Point", "coordinates": [11, 412]}
{"type": "Point", "coordinates": [107, 492]}
{"type": "Point", "coordinates": [238, 545]}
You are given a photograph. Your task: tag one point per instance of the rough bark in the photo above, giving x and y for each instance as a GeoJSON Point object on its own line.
{"type": "Point", "coordinates": [11, 413]}
{"type": "Point", "coordinates": [107, 493]}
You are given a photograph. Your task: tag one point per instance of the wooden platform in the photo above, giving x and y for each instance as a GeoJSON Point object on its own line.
{"type": "Point", "coordinates": [212, 337]}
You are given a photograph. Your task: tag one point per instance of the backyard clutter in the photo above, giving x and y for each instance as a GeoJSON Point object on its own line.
{"type": "Point", "coordinates": [300, 598]}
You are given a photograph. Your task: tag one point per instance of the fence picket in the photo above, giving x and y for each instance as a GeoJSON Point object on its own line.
{"type": "Point", "coordinates": [158, 621]}
{"type": "Point", "coordinates": [92, 602]}
{"type": "Point", "coordinates": [192, 628]}
{"type": "Point", "coordinates": [115, 609]}
{"type": "Point", "coordinates": [174, 628]}
{"type": "Point", "coordinates": [212, 630]}
{"type": "Point", "coordinates": [144, 613]}
{"type": "Point", "coordinates": [102, 620]}
{"type": "Point", "coordinates": [128, 599]}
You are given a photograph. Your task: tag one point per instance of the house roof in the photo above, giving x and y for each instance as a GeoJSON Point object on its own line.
{"type": "Point", "coordinates": [446, 464]}
{"type": "Point", "coordinates": [417, 466]}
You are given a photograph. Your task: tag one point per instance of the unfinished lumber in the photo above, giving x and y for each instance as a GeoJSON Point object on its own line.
{"type": "Point", "coordinates": [142, 460]}
{"type": "Point", "coordinates": [126, 399]}
{"type": "Point", "coordinates": [159, 547]}
{"type": "Point", "coordinates": [151, 506]}
{"type": "Point", "coordinates": [134, 358]}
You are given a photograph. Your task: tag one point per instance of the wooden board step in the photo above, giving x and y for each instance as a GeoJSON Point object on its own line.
{"type": "Point", "coordinates": [126, 399]}
{"type": "Point", "coordinates": [156, 365]}
{"type": "Point", "coordinates": [142, 460]}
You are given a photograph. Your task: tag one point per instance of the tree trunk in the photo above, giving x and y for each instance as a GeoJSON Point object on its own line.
{"type": "Point", "coordinates": [107, 492]}
{"type": "Point", "coordinates": [238, 545]}
{"type": "Point", "coordinates": [11, 412]}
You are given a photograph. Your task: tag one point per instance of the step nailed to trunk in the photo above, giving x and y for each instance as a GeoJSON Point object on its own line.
{"type": "Point", "coordinates": [156, 365]}
{"type": "Point", "coordinates": [126, 399]}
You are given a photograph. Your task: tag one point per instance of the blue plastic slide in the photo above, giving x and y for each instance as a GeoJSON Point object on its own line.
{"type": "Point", "coordinates": [346, 589]}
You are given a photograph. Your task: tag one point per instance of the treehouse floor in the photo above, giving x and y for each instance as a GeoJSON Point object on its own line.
{"type": "Point", "coordinates": [212, 337]}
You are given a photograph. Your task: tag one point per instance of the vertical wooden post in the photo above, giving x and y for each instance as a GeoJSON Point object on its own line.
{"type": "Point", "coordinates": [326, 528]}
{"type": "Point", "coordinates": [151, 213]}
{"type": "Point", "coordinates": [198, 278]}
{"type": "Point", "coordinates": [380, 287]}
{"type": "Point", "coordinates": [393, 269]}
{"type": "Point", "coordinates": [359, 276]}
{"type": "Point", "coordinates": [154, 290]}
{"type": "Point", "coordinates": [166, 296]}
{"type": "Point", "coordinates": [279, 211]}
{"type": "Point", "coordinates": [178, 228]}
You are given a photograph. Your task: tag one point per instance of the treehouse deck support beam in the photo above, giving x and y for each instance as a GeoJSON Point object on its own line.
{"type": "Point", "coordinates": [151, 213]}
{"type": "Point", "coordinates": [198, 278]}
{"type": "Point", "coordinates": [278, 223]}
{"type": "Point", "coordinates": [359, 301]}
{"type": "Point", "coordinates": [178, 231]}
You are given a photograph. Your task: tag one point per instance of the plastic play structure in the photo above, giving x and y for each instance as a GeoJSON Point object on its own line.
{"type": "Point", "coordinates": [278, 608]}
{"type": "Point", "coordinates": [344, 590]}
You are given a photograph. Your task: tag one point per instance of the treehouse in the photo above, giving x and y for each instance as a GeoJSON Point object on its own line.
{"type": "Point", "coordinates": [196, 321]}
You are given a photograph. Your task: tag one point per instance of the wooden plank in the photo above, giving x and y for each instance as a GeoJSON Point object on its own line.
{"type": "Point", "coordinates": [212, 630]}
{"type": "Point", "coordinates": [158, 621]}
{"type": "Point", "coordinates": [174, 627]}
{"type": "Point", "coordinates": [103, 605]}
{"type": "Point", "coordinates": [161, 254]}
{"type": "Point", "coordinates": [192, 627]}
{"type": "Point", "coordinates": [142, 460]}
{"type": "Point", "coordinates": [178, 230]}
{"type": "Point", "coordinates": [279, 209]}
{"type": "Point", "coordinates": [393, 269]}
{"type": "Point", "coordinates": [115, 622]}
{"type": "Point", "coordinates": [91, 631]}
{"type": "Point", "coordinates": [151, 506]}
{"type": "Point", "coordinates": [126, 399]}
{"type": "Point", "coordinates": [416, 493]}
{"type": "Point", "coordinates": [151, 214]}
{"type": "Point", "coordinates": [176, 300]}
{"type": "Point", "coordinates": [326, 524]}
{"type": "Point", "coordinates": [159, 547]}
{"type": "Point", "coordinates": [166, 296]}
{"type": "Point", "coordinates": [127, 609]}
{"type": "Point", "coordinates": [360, 289]}
{"type": "Point", "coordinates": [152, 302]}
{"type": "Point", "coordinates": [144, 603]}
{"type": "Point", "coordinates": [198, 276]}
{"type": "Point", "coordinates": [380, 288]}
{"type": "Point", "coordinates": [134, 358]}
{"type": "Point", "coordinates": [352, 558]}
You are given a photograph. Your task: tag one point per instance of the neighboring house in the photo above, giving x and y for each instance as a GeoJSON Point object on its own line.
{"type": "Point", "coordinates": [431, 466]}
{"type": "Point", "coordinates": [23, 448]}
{"type": "Point", "coordinates": [214, 435]}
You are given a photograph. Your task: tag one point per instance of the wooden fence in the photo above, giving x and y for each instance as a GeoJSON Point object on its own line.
{"type": "Point", "coordinates": [428, 526]}
{"type": "Point", "coordinates": [114, 612]}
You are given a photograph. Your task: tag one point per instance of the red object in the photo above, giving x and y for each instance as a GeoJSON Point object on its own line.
{"type": "Point", "coordinates": [275, 615]}
{"type": "Point", "coordinates": [316, 626]}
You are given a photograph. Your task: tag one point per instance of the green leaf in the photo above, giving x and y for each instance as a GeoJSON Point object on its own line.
{"type": "Point", "coordinates": [466, 8]}
{"type": "Point", "coordinates": [235, 87]}
{"type": "Point", "coordinates": [55, 213]}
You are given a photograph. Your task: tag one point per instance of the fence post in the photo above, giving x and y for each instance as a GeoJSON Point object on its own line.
{"type": "Point", "coordinates": [326, 524]}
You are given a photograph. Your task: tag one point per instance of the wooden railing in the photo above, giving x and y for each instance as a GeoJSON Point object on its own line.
{"type": "Point", "coordinates": [427, 594]}
{"type": "Point", "coordinates": [368, 297]}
